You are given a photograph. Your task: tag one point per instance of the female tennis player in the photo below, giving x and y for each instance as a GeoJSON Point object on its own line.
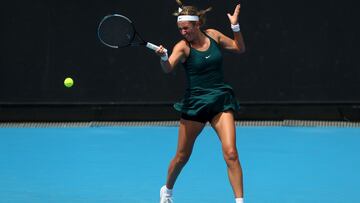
{"type": "Point", "coordinates": [208, 98]}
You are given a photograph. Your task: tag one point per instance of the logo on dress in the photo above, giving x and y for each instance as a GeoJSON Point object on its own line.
{"type": "Point", "coordinates": [207, 56]}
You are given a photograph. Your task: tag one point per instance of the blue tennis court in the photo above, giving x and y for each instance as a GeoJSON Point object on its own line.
{"type": "Point", "coordinates": [129, 165]}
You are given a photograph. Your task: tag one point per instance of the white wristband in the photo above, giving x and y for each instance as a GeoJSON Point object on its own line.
{"type": "Point", "coordinates": [235, 28]}
{"type": "Point", "coordinates": [165, 57]}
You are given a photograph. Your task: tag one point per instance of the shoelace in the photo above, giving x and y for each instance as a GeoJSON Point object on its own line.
{"type": "Point", "coordinates": [167, 200]}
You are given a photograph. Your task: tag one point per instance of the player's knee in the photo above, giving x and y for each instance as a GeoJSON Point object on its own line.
{"type": "Point", "coordinates": [231, 155]}
{"type": "Point", "coordinates": [182, 158]}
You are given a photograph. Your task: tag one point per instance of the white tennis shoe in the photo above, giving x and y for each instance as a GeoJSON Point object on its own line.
{"type": "Point", "coordinates": [165, 197]}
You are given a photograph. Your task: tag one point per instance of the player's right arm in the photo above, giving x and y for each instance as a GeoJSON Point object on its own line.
{"type": "Point", "coordinates": [178, 54]}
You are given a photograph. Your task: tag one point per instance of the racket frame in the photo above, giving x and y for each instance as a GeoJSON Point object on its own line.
{"type": "Point", "coordinates": [132, 38]}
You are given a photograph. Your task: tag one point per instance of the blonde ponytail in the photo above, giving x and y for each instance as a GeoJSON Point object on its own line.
{"type": "Point", "coordinates": [180, 3]}
{"type": "Point", "coordinates": [202, 15]}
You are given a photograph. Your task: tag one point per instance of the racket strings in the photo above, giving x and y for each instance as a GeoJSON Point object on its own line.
{"type": "Point", "coordinates": [116, 31]}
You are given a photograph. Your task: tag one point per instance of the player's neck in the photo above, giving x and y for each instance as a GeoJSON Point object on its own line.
{"type": "Point", "coordinates": [199, 40]}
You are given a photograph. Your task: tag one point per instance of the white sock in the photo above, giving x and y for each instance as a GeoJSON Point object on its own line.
{"type": "Point", "coordinates": [239, 200]}
{"type": "Point", "coordinates": [168, 191]}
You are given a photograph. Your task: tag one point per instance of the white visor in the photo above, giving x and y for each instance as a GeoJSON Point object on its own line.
{"type": "Point", "coordinates": [187, 18]}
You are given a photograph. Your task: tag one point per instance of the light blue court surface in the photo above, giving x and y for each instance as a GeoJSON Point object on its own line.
{"type": "Point", "coordinates": [129, 165]}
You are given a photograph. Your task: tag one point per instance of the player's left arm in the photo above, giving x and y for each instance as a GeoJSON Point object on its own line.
{"type": "Point", "coordinates": [236, 44]}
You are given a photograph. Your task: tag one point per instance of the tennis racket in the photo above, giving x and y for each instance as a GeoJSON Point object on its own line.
{"type": "Point", "coordinates": [118, 31]}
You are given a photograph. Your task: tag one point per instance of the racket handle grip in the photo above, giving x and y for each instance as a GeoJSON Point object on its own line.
{"type": "Point", "coordinates": [153, 46]}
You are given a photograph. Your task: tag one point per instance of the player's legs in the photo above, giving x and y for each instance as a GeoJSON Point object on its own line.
{"type": "Point", "coordinates": [224, 125]}
{"type": "Point", "coordinates": [188, 132]}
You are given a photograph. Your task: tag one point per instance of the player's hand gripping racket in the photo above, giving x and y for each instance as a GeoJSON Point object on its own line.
{"type": "Point", "coordinates": [118, 31]}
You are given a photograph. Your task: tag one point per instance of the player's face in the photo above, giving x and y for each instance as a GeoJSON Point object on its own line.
{"type": "Point", "coordinates": [188, 29]}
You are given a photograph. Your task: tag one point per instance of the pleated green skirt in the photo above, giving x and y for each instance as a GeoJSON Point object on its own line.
{"type": "Point", "coordinates": [198, 100]}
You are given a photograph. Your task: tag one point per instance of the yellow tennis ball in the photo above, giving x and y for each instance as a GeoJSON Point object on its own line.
{"type": "Point", "coordinates": [68, 82]}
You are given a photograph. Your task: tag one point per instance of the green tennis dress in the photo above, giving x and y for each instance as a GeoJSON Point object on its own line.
{"type": "Point", "coordinates": [206, 91]}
